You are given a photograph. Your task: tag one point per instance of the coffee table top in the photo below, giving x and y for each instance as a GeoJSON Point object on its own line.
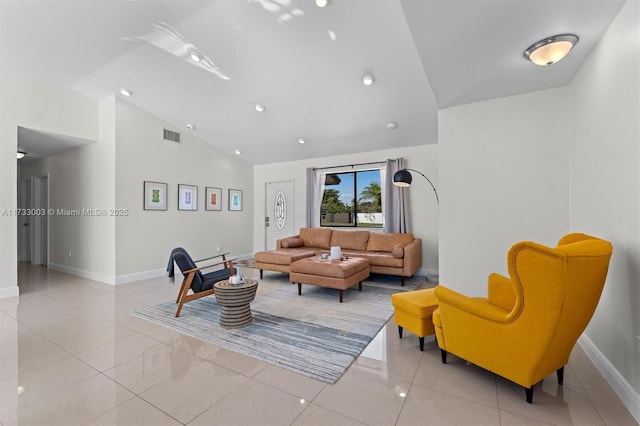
{"type": "Point", "coordinates": [225, 284]}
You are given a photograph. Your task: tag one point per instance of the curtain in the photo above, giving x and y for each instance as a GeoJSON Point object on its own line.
{"type": "Point", "coordinates": [315, 192]}
{"type": "Point", "coordinates": [395, 200]}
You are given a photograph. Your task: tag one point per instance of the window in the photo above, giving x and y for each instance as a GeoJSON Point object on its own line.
{"type": "Point", "coordinates": [352, 199]}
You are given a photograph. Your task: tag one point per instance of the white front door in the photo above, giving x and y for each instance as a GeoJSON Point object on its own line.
{"type": "Point", "coordinates": [278, 220]}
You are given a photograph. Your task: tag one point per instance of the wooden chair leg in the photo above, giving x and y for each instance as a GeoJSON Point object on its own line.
{"type": "Point", "coordinates": [421, 344]}
{"type": "Point", "coordinates": [443, 355]}
{"type": "Point", "coordinates": [529, 394]}
{"type": "Point", "coordinates": [400, 331]}
{"type": "Point", "coordinates": [402, 281]}
{"type": "Point", "coordinates": [560, 374]}
{"type": "Point", "coordinates": [261, 273]}
{"type": "Point", "coordinates": [299, 289]}
{"type": "Point", "coordinates": [341, 295]}
{"type": "Point", "coordinates": [184, 281]}
{"type": "Point", "coordinates": [182, 296]}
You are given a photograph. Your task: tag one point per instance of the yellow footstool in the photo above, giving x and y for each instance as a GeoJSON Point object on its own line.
{"type": "Point", "coordinates": [413, 310]}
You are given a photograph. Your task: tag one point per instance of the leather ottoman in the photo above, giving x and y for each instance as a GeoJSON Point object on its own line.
{"type": "Point", "coordinates": [338, 274]}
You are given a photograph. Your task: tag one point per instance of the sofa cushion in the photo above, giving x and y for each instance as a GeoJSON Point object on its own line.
{"type": "Point", "coordinates": [291, 242]}
{"type": "Point", "coordinates": [377, 258]}
{"type": "Point", "coordinates": [350, 240]}
{"type": "Point", "coordinates": [385, 241]}
{"type": "Point", "coordinates": [283, 256]}
{"type": "Point", "coordinates": [316, 237]}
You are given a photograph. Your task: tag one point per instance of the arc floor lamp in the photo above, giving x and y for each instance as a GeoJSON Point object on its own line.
{"type": "Point", "coordinates": [403, 178]}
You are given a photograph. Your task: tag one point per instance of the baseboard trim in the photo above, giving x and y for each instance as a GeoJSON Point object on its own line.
{"type": "Point", "coordinates": [7, 292]}
{"type": "Point", "coordinates": [630, 398]}
{"type": "Point", "coordinates": [433, 275]}
{"type": "Point", "coordinates": [139, 276]}
{"type": "Point", "coordinates": [95, 276]}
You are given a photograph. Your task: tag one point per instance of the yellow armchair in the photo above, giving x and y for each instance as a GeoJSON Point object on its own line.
{"type": "Point", "coordinates": [526, 327]}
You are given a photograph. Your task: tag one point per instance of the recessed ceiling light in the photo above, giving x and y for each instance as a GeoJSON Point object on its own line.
{"type": "Point", "coordinates": [238, 152]}
{"type": "Point", "coordinates": [21, 154]}
{"type": "Point", "coordinates": [367, 80]}
{"type": "Point", "coordinates": [126, 92]}
{"type": "Point", "coordinates": [322, 3]}
{"type": "Point", "coordinates": [191, 126]}
{"type": "Point", "coordinates": [260, 107]}
{"type": "Point", "coordinates": [392, 125]}
{"type": "Point", "coordinates": [302, 140]}
{"type": "Point", "coordinates": [196, 56]}
{"type": "Point", "coordinates": [551, 49]}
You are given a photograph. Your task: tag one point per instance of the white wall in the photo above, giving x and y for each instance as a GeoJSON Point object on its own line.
{"type": "Point", "coordinates": [38, 107]}
{"type": "Point", "coordinates": [82, 179]}
{"type": "Point", "coordinates": [145, 238]}
{"type": "Point", "coordinates": [423, 208]}
{"type": "Point", "coordinates": [504, 177]}
{"type": "Point", "coordinates": [605, 191]}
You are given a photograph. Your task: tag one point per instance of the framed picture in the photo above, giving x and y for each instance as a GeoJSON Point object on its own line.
{"type": "Point", "coordinates": [213, 198]}
{"type": "Point", "coordinates": [155, 195]}
{"type": "Point", "coordinates": [187, 197]}
{"type": "Point", "coordinates": [235, 200]}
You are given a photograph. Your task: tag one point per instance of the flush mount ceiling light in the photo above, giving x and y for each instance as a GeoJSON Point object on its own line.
{"type": "Point", "coordinates": [21, 154]}
{"type": "Point", "coordinates": [238, 152]}
{"type": "Point", "coordinates": [196, 56]}
{"type": "Point", "coordinates": [367, 80]}
{"type": "Point", "coordinates": [126, 92]}
{"type": "Point", "coordinates": [322, 3]}
{"type": "Point", "coordinates": [392, 125]}
{"type": "Point", "coordinates": [551, 49]}
{"type": "Point", "coordinates": [260, 107]}
{"type": "Point", "coordinates": [191, 126]}
{"type": "Point", "coordinates": [302, 140]}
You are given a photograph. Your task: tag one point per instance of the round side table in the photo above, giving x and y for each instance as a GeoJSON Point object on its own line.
{"type": "Point", "coordinates": [235, 300]}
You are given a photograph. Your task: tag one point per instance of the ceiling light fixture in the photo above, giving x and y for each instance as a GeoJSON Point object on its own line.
{"type": "Point", "coordinates": [191, 126]}
{"type": "Point", "coordinates": [302, 140]}
{"type": "Point", "coordinates": [392, 125]}
{"type": "Point", "coordinates": [551, 49]}
{"type": "Point", "coordinates": [21, 154]}
{"type": "Point", "coordinates": [322, 3]}
{"type": "Point", "coordinates": [126, 92]}
{"type": "Point", "coordinates": [367, 80]}
{"type": "Point", "coordinates": [196, 56]}
{"type": "Point", "coordinates": [260, 107]}
{"type": "Point", "coordinates": [238, 152]}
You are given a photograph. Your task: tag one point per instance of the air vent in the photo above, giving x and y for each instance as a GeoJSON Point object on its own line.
{"type": "Point", "coordinates": [170, 135]}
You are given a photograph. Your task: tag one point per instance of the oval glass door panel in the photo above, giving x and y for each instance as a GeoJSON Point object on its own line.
{"type": "Point", "coordinates": [280, 210]}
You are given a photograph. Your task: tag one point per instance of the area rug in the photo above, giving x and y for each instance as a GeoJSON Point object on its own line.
{"type": "Point", "coordinates": [312, 334]}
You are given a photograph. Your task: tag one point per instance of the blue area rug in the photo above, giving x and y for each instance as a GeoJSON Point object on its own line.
{"type": "Point", "coordinates": [312, 334]}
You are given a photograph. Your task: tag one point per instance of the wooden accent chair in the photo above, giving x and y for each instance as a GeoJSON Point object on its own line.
{"type": "Point", "coordinates": [200, 284]}
{"type": "Point", "coordinates": [527, 326]}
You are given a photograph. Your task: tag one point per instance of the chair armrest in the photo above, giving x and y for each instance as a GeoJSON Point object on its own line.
{"type": "Point", "coordinates": [501, 292]}
{"type": "Point", "coordinates": [212, 257]}
{"type": "Point", "coordinates": [473, 306]}
{"type": "Point", "coordinates": [224, 262]}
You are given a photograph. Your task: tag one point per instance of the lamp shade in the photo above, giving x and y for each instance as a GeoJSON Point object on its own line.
{"type": "Point", "coordinates": [402, 178]}
{"type": "Point", "coordinates": [551, 50]}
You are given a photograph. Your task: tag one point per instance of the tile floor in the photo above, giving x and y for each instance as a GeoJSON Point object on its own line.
{"type": "Point", "coordinates": [71, 353]}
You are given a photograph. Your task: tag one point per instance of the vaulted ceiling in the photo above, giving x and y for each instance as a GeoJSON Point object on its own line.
{"type": "Point", "coordinates": [303, 63]}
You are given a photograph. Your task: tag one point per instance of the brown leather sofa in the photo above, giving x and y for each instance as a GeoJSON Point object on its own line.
{"type": "Point", "coordinates": [388, 253]}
